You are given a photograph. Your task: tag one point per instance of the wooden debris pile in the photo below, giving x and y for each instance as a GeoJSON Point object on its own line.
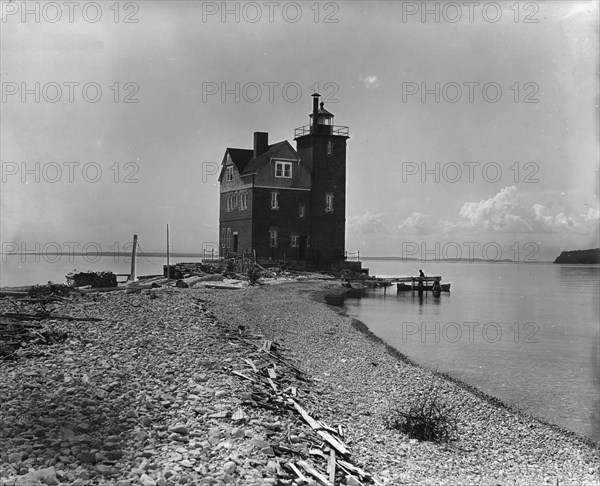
{"type": "Point", "coordinates": [183, 270]}
{"type": "Point", "coordinates": [93, 279]}
{"type": "Point", "coordinates": [275, 385]}
{"type": "Point", "coordinates": [26, 326]}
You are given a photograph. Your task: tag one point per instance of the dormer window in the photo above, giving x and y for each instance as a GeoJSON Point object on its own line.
{"type": "Point", "coordinates": [283, 169]}
{"type": "Point", "coordinates": [229, 173]}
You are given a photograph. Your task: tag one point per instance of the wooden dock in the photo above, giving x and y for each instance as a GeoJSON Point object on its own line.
{"type": "Point", "coordinates": [423, 284]}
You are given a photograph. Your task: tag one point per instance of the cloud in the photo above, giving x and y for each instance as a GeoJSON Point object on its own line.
{"type": "Point", "coordinates": [368, 224]}
{"type": "Point", "coordinates": [512, 212]}
{"type": "Point", "coordinates": [418, 223]}
{"type": "Point", "coordinates": [370, 81]}
{"type": "Point", "coordinates": [500, 213]}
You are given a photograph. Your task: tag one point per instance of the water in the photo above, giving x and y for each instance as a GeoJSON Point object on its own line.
{"type": "Point", "coordinates": [528, 334]}
{"type": "Point", "coordinates": [17, 270]}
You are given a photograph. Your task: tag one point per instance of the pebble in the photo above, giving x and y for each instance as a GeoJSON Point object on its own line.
{"type": "Point", "coordinates": [166, 427]}
{"type": "Point", "coordinates": [146, 480]}
{"type": "Point", "coordinates": [179, 429]}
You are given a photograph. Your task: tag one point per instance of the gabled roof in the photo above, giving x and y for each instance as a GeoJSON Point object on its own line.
{"type": "Point", "coordinates": [240, 157]}
{"type": "Point", "coordinates": [255, 163]}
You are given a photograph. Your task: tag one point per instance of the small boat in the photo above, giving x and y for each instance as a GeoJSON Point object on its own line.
{"type": "Point", "coordinates": [427, 283]}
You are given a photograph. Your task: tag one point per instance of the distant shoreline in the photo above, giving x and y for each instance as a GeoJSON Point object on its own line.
{"type": "Point", "coordinates": [207, 255]}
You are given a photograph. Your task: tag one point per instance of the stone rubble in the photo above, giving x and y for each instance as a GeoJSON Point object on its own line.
{"type": "Point", "coordinates": [149, 396]}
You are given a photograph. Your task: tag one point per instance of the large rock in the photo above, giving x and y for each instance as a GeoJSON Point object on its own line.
{"type": "Point", "coordinates": [45, 476]}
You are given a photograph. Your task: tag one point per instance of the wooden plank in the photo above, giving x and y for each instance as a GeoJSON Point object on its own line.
{"type": "Point", "coordinates": [273, 385]}
{"type": "Point", "coordinates": [274, 356]}
{"type": "Point", "coordinates": [267, 345]}
{"type": "Point", "coordinates": [354, 469]}
{"type": "Point", "coordinates": [331, 466]}
{"type": "Point", "coordinates": [252, 365]}
{"type": "Point", "coordinates": [301, 476]}
{"type": "Point", "coordinates": [242, 375]}
{"type": "Point", "coordinates": [313, 472]}
{"type": "Point", "coordinates": [272, 373]}
{"type": "Point", "coordinates": [335, 443]}
{"type": "Point", "coordinates": [410, 279]}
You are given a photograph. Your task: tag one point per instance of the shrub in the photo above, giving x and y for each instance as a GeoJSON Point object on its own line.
{"type": "Point", "coordinates": [429, 418]}
{"type": "Point", "coordinates": [254, 274]}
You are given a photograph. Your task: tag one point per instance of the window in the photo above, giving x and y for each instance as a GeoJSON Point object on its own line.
{"type": "Point", "coordinates": [274, 200]}
{"type": "Point", "coordinates": [244, 200]}
{"type": "Point", "coordinates": [301, 210]}
{"type": "Point", "coordinates": [294, 241]}
{"type": "Point", "coordinates": [283, 169]}
{"type": "Point", "coordinates": [229, 173]}
{"type": "Point", "coordinates": [228, 239]}
{"type": "Point", "coordinates": [273, 237]}
{"type": "Point", "coordinates": [329, 202]}
{"type": "Point", "coordinates": [227, 202]}
{"type": "Point", "coordinates": [330, 148]}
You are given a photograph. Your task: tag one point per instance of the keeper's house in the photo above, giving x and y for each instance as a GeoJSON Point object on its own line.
{"type": "Point", "coordinates": [286, 203]}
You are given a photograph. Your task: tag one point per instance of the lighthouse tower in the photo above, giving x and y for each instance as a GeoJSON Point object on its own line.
{"type": "Point", "coordinates": [321, 145]}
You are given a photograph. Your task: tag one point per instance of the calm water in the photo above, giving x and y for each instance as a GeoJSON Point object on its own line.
{"type": "Point", "coordinates": [528, 334]}
{"type": "Point", "coordinates": [18, 270]}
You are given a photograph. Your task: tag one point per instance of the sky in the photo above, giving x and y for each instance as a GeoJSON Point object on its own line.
{"type": "Point", "coordinates": [473, 126]}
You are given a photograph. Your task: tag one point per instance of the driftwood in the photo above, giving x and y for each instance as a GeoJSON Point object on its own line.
{"type": "Point", "coordinates": [271, 393]}
{"type": "Point", "coordinates": [301, 476]}
{"type": "Point", "coordinates": [313, 472]}
{"type": "Point", "coordinates": [318, 427]}
{"type": "Point", "coordinates": [331, 466]}
{"type": "Point", "coordinates": [274, 356]}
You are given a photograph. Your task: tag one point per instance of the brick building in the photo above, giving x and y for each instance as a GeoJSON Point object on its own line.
{"type": "Point", "coordinates": [286, 203]}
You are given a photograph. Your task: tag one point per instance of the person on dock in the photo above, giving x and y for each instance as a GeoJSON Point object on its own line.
{"type": "Point", "coordinates": [421, 274]}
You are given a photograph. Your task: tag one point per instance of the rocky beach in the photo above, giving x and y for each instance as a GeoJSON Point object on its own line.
{"type": "Point", "coordinates": [258, 385]}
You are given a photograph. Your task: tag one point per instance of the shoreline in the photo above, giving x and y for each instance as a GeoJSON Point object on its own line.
{"type": "Point", "coordinates": [108, 401]}
{"type": "Point", "coordinates": [492, 400]}
{"type": "Point", "coordinates": [396, 381]}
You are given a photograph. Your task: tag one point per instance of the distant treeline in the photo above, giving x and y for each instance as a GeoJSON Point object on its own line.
{"type": "Point", "coordinates": [579, 256]}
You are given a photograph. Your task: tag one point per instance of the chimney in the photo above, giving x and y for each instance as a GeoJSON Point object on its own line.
{"type": "Point", "coordinates": [261, 143]}
{"type": "Point", "coordinates": [315, 116]}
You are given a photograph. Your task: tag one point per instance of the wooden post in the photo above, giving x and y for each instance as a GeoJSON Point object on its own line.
{"type": "Point", "coordinates": [133, 274]}
{"type": "Point", "coordinates": [168, 256]}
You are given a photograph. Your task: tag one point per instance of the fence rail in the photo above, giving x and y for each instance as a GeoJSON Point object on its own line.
{"type": "Point", "coordinates": [350, 253]}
